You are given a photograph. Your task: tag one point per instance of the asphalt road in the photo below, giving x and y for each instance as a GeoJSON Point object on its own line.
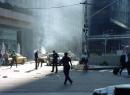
{"type": "Point", "coordinates": [53, 83]}
{"type": "Point", "coordinates": [83, 82]}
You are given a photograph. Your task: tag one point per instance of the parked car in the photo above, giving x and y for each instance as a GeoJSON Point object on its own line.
{"type": "Point", "coordinates": [20, 59]}
{"type": "Point", "coordinates": [43, 58]}
{"type": "Point", "coordinates": [72, 55]}
{"type": "Point", "coordinates": [50, 58]}
{"type": "Point", "coordinates": [122, 89]}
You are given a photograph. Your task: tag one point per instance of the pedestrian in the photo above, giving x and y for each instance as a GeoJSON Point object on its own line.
{"type": "Point", "coordinates": [85, 56]}
{"type": "Point", "coordinates": [123, 61]}
{"type": "Point", "coordinates": [1, 58]}
{"type": "Point", "coordinates": [66, 60]}
{"type": "Point", "coordinates": [128, 64]}
{"type": "Point", "coordinates": [6, 58]}
{"type": "Point", "coordinates": [36, 59]}
{"type": "Point", "coordinates": [55, 61]}
{"type": "Point", "coordinates": [14, 58]}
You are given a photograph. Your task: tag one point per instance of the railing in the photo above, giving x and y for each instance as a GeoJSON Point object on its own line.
{"type": "Point", "coordinates": [100, 37]}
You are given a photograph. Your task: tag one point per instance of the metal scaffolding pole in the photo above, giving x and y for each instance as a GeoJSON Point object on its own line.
{"type": "Point", "coordinates": [85, 28]}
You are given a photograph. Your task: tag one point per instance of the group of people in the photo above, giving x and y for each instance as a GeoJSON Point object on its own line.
{"type": "Point", "coordinates": [66, 61]}
{"type": "Point", "coordinates": [4, 58]}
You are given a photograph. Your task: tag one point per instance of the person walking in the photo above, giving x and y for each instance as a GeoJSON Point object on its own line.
{"type": "Point", "coordinates": [128, 64]}
{"type": "Point", "coordinates": [1, 58]}
{"type": "Point", "coordinates": [6, 58]}
{"type": "Point", "coordinates": [36, 59]}
{"type": "Point", "coordinates": [85, 61]}
{"type": "Point", "coordinates": [14, 59]}
{"type": "Point", "coordinates": [123, 61]}
{"type": "Point", "coordinates": [66, 67]}
{"type": "Point", "coordinates": [55, 61]}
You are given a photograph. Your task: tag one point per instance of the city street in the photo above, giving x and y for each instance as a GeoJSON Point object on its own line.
{"type": "Point", "coordinates": [25, 79]}
{"type": "Point", "coordinates": [94, 34]}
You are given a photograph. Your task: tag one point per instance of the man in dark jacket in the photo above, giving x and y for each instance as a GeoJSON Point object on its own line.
{"type": "Point", "coordinates": [14, 59]}
{"type": "Point", "coordinates": [55, 61]}
{"type": "Point", "coordinates": [66, 63]}
{"type": "Point", "coordinates": [36, 59]}
{"type": "Point", "coordinates": [122, 63]}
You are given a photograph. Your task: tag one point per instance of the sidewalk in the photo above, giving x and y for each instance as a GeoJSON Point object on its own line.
{"type": "Point", "coordinates": [93, 67]}
{"type": "Point", "coordinates": [96, 67]}
{"type": "Point", "coordinates": [12, 77]}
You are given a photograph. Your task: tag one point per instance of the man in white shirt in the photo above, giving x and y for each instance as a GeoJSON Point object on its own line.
{"type": "Point", "coordinates": [123, 61]}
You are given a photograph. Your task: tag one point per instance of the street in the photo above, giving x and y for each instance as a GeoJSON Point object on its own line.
{"type": "Point", "coordinates": [28, 80]}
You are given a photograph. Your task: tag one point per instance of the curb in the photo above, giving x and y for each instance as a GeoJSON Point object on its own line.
{"type": "Point", "coordinates": [80, 67]}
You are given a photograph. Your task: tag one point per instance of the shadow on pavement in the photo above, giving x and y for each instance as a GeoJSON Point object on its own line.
{"type": "Point", "coordinates": [30, 71]}
{"type": "Point", "coordinates": [49, 83]}
{"type": "Point", "coordinates": [83, 82]}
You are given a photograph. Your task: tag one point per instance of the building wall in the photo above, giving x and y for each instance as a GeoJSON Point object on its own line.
{"type": "Point", "coordinates": [100, 19]}
{"type": "Point", "coordinates": [27, 42]}
{"type": "Point", "coordinates": [113, 20]}
{"type": "Point", "coordinates": [16, 27]}
{"type": "Point", "coordinates": [120, 12]}
{"type": "Point", "coordinates": [111, 60]}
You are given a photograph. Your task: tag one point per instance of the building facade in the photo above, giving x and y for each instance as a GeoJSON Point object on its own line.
{"type": "Point", "coordinates": [16, 26]}
{"type": "Point", "coordinates": [108, 25]}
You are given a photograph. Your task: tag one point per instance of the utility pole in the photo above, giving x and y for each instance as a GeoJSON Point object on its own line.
{"type": "Point", "coordinates": [85, 28]}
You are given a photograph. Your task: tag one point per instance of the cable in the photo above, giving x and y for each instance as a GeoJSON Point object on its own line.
{"type": "Point", "coordinates": [55, 7]}
{"type": "Point", "coordinates": [102, 9]}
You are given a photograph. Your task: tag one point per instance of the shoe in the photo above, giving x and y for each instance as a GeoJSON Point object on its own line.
{"type": "Point", "coordinates": [71, 82]}
{"type": "Point", "coordinates": [64, 83]}
{"type": "Point", "coordinates": [52, 71]}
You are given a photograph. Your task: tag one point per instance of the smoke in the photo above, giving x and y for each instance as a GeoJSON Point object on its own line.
{"type": "Point", "coordinates": [60, 28]}
{"type": "Point", "coordinates": [63, 26]}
